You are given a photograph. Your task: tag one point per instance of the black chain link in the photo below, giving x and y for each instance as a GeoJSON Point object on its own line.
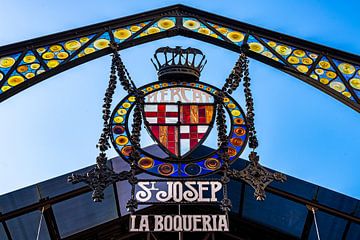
{"type": "Point", "coordinates": [129, 86]}
{"type": "Point", "coordinates": [232, 82]}
{"type": "Point", "coordinates": [253, 142]}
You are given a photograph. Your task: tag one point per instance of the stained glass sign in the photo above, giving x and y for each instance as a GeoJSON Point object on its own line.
{"type": "Point", "coordinates": [179, 119]}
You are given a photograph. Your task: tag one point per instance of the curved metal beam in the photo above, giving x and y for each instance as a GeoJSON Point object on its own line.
{"type": "Point", "coordinates": [334, 72]}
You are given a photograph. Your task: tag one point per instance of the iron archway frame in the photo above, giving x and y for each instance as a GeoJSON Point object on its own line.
{"type": "Point", "coordinates": [179, 13]}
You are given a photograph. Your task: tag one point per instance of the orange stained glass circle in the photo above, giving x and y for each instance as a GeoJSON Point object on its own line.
{"type": "Point", "coordinates": [231, 151]}
{"type": "Point", "coordinates": [212, 163]}
{"type": "Point", "coordinates": [146, 162]}
{"type": "Point", "coordinates": [239, 131]}
{"type": "Point", "coordinates": [166, 169]}
{"type": "Point", "coordinates": [127, 150]}
{"type": "Point", "coordinates": [239, 121]}
{"type": "Point", "coordinates": [236, 142]}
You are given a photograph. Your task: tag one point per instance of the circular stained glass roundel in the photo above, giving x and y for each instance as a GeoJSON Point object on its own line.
{"type": "Point", "coordinates": [179, 117]}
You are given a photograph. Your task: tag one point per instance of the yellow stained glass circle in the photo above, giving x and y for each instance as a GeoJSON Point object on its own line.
{"type": "Point", "coordinates": [293, 60]}
{"type": "Point", "coordinates": [355, 83]}
{"type": "Point", "coordinates": [346, 94]}
{"type": "Point", "coordinates": [314, 76]}
{"type": "Point", "coordinates": [41, 50]}
{"type": "Point", "coordinates": [256, 47]}
{"type": "Point", "coordinates": [5, 88]}
{"type": "Point", "coordinates": [84, 39]}
{"type": "Point", "coordinates": [331, 74]}
{"type": "Point", "coordinates": [132, 99]}
{"type": "Point", "coordinates": [122, 33]}
{"type": "Point", "coordinates": [15, 80]}
{"type": "Point", "coordinates": [319, 71]}
{"type": "Point", "coordinates": [338, 86]}
{"type": "Point", "coordinates": [156, 86]}
{"type": "Point", "coordinates": [89, 50]}
{"type": "Point", "coordinates": [236, 36]}
{"type": "Point", "coordinates": [275, 59]}
{"type": "Point", "coordinates": [307, 61]}
{"type": "Point", "coordinates": [1, 76]}
{"type": "Point", "coordinates": [299, 53]}
{"type": "Point", "coordinates": [165, 84]}
{"type": "Point", "coordinates": [313, 55]}
{"type": "Point", "coordinates": [119, 119]}
{"type": "Point", "coordinates": [81, 54]}
{"type": "Point", "coordinates": [22, 68]}
{"type": "Point", "coordinates": [324, 64]}
{"type": "Point", "coordinates": [267, 54]}
{"type": "Point", "coordinates": [135, 28]}
{"type": "Point", "coordinates": [122, 111]}
{"type": "Point", "coordinates": [6, 62]}
{"type": "Point", "coordinates": [101, 43]}
{"type": "Point", "coordinates": [214, 35]}
{"type": "Point", "coordinates": [231, 105]}
{"type": "Point", "coordinates": [226, 100]}
{"type": "Point", "coordinates": [272, 44]}
{"type": "Point", "coordinates": [52, 63]}
{"type": "Point", "coordinates": [30, 75]}
{"type": "Point", "coordinates": [324, 80]}
{"type": "Point", "coordinates": [35, 66]}
{"type": "Point", "coordinates": [29, 58]}
{"type": "Point", "coordinates": [48, 55]}
{"type": "Point", "coordinates": [126, 105]}
{"type": "Point", "coordinates": [121, 140]}
{"type": "Point", "coordinates": [283, 50]}
{"type": "Point", "coordinates": [204, 31]}
{"type": "Point", "coordinates": [143, 34]}
{"type": "Point", "coordinates": [191, 24]}
{"type": "Point", "coordinates": [302, 68]}
{"type": "Point", "coordinates": [72, 45]}
{"type": "Point", "coordinates": [346, 68]}
{"type": "Point", "coordinates": [153, 30]}
{"type": "Point", "coordinates": [40, 71]}
{"type": "Point", "coordinates": [55, 48]}
{"type": "Point", "coordinates": [62, 55]}
{"type": "Point", "coordinates": [222, 30]}
{"type": "Point", "coordinates": [166, 23]}
{"type": "Point", "coordinates": [235, 113]}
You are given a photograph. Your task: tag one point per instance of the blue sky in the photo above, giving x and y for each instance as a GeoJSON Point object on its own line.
{"type": "Point", "coordinates": [52, 128]}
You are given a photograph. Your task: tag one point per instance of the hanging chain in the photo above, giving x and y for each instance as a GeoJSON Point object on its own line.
{"type": "Point", "coordinates": [102, 176]}
{"type": "Point", "coordinates": [222, 143]}
{"type": "Point", "coordinates": [253, 142]}
{"type": "Point", "coordinates": [254, 174]}
{"type": "Point", "coordinates": [129, 86]}
{"type": "Point", "coordinates": [232, 82]}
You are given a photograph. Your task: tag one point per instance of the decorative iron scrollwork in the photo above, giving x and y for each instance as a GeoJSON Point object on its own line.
{"type": "Point", "coordinates": [256, 176]}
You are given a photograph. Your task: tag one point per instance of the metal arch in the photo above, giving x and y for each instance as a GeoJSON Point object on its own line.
{"type": "Point", "coordinates": [20, 74]}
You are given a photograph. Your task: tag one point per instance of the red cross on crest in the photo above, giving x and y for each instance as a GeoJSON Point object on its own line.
{"type": "Point", "coordinates": [178, 127]}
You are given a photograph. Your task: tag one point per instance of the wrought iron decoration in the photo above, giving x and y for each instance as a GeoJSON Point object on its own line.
{"type": "Point", "coordinates": [178, 70]}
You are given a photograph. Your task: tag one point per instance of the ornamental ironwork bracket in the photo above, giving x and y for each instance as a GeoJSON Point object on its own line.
{"type": "Point", "coordinates": [99, 178]}
{"type": "Point", "coordinates": [256, 176]}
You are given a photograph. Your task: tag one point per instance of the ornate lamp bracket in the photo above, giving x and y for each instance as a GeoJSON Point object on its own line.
{"type": "Point", "coordinates": [256, 176]}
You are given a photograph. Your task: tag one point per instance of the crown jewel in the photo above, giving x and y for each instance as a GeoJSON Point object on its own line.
{"type": "Point", "coordinates": [178, 63]}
